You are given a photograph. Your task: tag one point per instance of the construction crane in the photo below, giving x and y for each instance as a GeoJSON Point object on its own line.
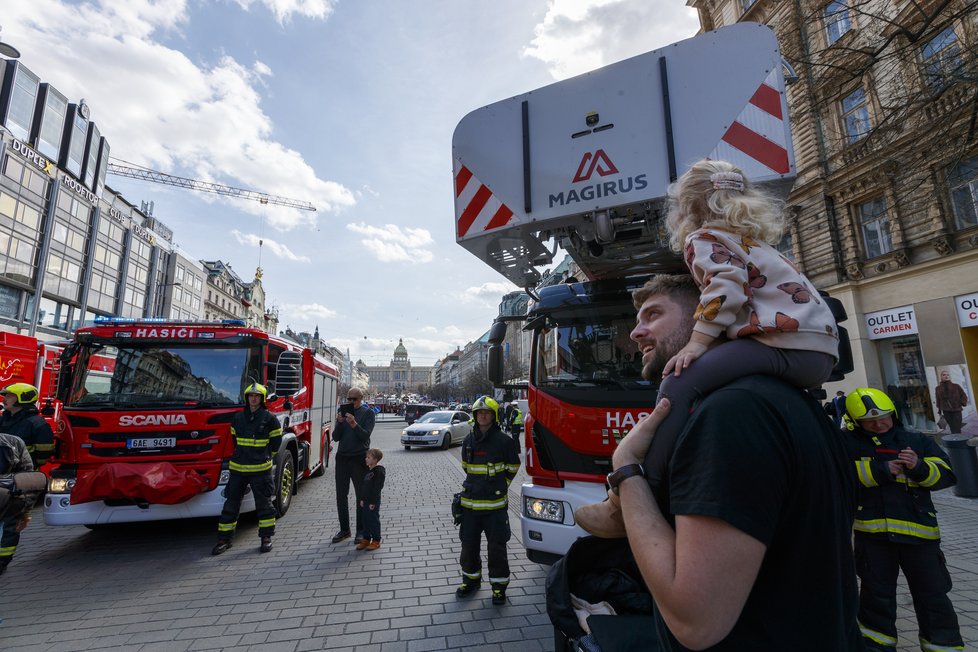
{"type": "Point", "coordinates": [122, 168]}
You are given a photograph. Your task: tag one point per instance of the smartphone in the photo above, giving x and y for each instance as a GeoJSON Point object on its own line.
{"type": "Point", "coordinates": [347, 408]}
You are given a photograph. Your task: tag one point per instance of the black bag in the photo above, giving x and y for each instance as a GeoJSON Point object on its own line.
{"type": "Point", "coordinates": [457, 509]}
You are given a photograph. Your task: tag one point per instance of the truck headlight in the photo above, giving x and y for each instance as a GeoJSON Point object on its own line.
{"type": "Point", "coordinates": [544, 510]}
{"type": "Point", "coordinates": [224, 477]}
{"type": "Point", "coordinates": [61, 485]}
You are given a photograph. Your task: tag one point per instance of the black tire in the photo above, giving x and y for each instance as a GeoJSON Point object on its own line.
{"type": "Point", "coordinates": [96, 527]}
{"type": "Point", "coordinates": [446, 441]}
{"type": "Point", "coordinates": [406, 447]}
{"type": "Point", "coordinates": [284, 483]}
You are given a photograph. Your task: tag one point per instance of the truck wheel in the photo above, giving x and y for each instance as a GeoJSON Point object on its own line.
{"type": "Point", "coordinates": [284, 483]}
{"type": "Point", "coordinates": [446, 442]}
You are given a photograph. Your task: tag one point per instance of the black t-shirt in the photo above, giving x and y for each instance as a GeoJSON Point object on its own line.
{"type": "Point", "coordinates": [761, 456]}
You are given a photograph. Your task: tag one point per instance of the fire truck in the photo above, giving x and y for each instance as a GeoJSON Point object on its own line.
{"type": "Point", "coordinates": [25, 359]}
{"type": "Point", "coordinates": [583, 165]}
{"type": "Point", "coordinates": [144, 431]}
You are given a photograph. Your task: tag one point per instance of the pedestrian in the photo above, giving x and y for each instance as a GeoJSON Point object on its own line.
{"type": "Point", "coordinates": [257, 436]}
{"type": "Point", "coordinates": [896, 525]}
{"type": "Point", "coordinates": [516, 424]}
{"type": "Point", "coordinates": [14, 458]}
{"type": "Point", "coordinates": [490, 461]}
{"type": "Point", "coordinates": [951, 401]}
{"type": "Point", "coordinates": [765, 313]}
{"type": "Point", "coordinates": [369, 505]}
{"type": "Point", "coordinates": [354, 425]}
{"type": "Point", "coordinates": [21, 418]}
{"type": "Point", "coordinates": [745, 543]}
{"type": "Point", "coordinates": [839, 407]}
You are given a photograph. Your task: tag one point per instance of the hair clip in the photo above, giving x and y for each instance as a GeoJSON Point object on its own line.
{"type": "Point", "coordinates": [727, 181]}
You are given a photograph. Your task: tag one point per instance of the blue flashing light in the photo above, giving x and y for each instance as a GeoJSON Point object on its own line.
{"type": "Point", "coordinates": [233, 322]}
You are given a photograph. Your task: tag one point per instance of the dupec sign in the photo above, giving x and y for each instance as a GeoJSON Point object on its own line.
{"type": "Point", "coordinates": [967, 306]}
{"type": "Point", "coordinates": [891, 323]}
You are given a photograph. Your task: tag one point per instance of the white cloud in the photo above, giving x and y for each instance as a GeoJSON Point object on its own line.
{"type": "Point", "coordinates": [276, 248]}
{"type": "Point", "coordinates": [283, 9]}
{"type": "Point", "coordinates": [580, 35]}
{"type": "Point", "coordinates": [392, 243]}
{"type": "Point", "coordinates": [491, 292]}
{"type": "Point", "coordinates": [160, 109]}
{"type": "Point", "coordinates": [306, 312]}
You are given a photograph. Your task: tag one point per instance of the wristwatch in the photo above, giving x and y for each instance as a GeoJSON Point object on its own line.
{"type": "Point", "coordinates": [618, 476]}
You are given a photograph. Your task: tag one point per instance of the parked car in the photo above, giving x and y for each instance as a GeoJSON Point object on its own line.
{"type": "Point", "coordinates": [412, 411]}
{"type": "Point", "coordinates": [440, 428]}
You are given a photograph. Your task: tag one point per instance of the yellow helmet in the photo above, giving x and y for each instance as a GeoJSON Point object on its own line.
{"type": "Point", "coordinates": [26, 394]}
{"type": "Point", "coordinates": [486, 403]}
{"type": "Point", "coordinates": [868, 403]}
{"type": "Point", "coordinates": [255, 388]}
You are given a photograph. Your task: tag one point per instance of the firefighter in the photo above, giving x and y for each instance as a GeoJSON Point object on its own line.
{"type": "Point", "coordinates": [21, 418]}
{"type": "Point", "coordinates": [257, 436]}
{"type": "Point", "coordinates": [896, 524]}
{"type": "Point", "coordinates": [516, 423]}
{"type": "Point", "coordinates": [490, 461]}
{"type": "Point", "coordinates": [14, 458]}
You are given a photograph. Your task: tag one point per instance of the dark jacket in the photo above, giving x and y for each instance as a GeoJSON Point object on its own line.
{"type": "Point", "coordinates": [14, 458]}
{"type": "Point", "coordinates": [354, 442]}
{"type": "Point", "coordinates": [490, 461]}
{"type": "Point", "coordinates": [950, 397]}
{"type": "Point", "coordinates": [373, 484]}
{"type": "Point", "coordinates": [257, 437]}
{"type": "Point", "coordinates": [31, 427]}
{"type": "Point", "coordinates": [898, 508]}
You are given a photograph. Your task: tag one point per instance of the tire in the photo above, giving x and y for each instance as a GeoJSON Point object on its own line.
{"type": "Point", "coordinates": [96, 527]}
{"type": "Point", "coordinates": [446, 441]}
{"type": "Point", "coordinates": [284, 483]}
{"type": "Point", "coordinates": [406, 447]}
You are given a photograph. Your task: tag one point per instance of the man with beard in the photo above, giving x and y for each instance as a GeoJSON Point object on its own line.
{"type": "Point", "coordinates": [742, 527]}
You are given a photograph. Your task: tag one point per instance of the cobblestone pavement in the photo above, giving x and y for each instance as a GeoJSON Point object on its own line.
{"type": "Point", "coordinates": [156, 586]}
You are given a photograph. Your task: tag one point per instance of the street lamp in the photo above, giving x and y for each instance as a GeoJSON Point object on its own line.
{"type": "Point", "coordinates": [8, 50]}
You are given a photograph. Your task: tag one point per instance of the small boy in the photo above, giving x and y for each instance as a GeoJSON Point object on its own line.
{"type": "Point", "coordinates": [373, 483]}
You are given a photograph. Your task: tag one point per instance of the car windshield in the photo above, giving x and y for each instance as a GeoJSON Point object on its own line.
{"type": "Point", "coordinates": [595, 352]}
{"type": "Point", "coordinates": [162, 375]}
{"type": "Point", "coordinates": [435, 417]}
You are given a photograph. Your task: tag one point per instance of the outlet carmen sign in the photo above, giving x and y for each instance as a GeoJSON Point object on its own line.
{"type": "Point", "coordinates": [891, 323]}
{"type": "Point", "coordinates": [967, 305]}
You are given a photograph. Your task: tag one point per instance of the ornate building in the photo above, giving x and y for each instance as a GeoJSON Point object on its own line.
{"type": "Point", "coordinates": [399, 377]}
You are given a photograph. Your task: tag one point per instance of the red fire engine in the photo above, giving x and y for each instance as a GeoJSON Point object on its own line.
{"type": "Point", "coordinates": [144, 432]}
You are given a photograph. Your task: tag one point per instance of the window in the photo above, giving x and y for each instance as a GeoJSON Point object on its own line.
{"type": "Point", "coordinates": [52, 123]}
{"type": "Point", "coordinates": [785, 247]}
{"type": "Point", "coordinates": [76, 144]}
{"type": "Point", "coordinates": [875, 227]}
{"type": "Point", "coordinates": [747, 4]}
{"type": "Point", "coordinates": [180, 273]}
{"type": "Point", "coordinates": [941, 59]}
{"type": "Point", "coordinates": [23, 97]}
{"type": "Point", "coordinates": [855, 114]}
{"type": "Point", "coordinates": [963, 182]}
{"type": "Point", "coordinates": [837, 21]}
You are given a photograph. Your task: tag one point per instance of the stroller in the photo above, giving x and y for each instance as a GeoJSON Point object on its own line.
{"type": "Point", "coordinates": [597, 585]}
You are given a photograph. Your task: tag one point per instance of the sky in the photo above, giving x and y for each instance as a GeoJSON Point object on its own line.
{"type": "Point", "coordinates": [347, 104]}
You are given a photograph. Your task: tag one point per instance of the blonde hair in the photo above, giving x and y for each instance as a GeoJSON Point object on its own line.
{"type": "Point", "coordinates": [697, 201]}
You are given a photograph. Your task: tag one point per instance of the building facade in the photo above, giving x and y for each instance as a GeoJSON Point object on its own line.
{"type": "Point", "coordinates": [884, 211]}
{"type": "Point", "coordinates": [398, 377]}
{"type": "Point", "coordinates": [183, 297]}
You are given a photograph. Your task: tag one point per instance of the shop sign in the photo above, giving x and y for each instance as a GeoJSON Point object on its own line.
{"type": "Point", "coordinates": [967, 305]}
{"type": "Point", "coordinates": [891, 323]}
{"type": "Point", "coordinates": [39, 161]}
{"type": "Point", "coordinates": [79, 189]}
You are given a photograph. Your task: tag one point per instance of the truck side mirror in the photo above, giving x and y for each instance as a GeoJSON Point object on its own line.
{"type": "Point", "coordinates": [494, 363]}
{"type": "Point", "coordinates": [844, 365]}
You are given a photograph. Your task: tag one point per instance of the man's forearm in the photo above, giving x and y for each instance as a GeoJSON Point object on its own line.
{"type": "Point", "coordinates": [651, 538]}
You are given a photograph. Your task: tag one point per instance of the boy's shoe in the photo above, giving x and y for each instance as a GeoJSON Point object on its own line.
{"type": "Point", "coordinates": [363, 545]}
{"type": "Point", "coordinates": [499, 594]}
{"type": "Point", "coordinates": [339, 536]}
{"type": "Point", "coordinates": [221, 547]}
{"type": "Point", "coordinates": [3, 565]}
{"type": "Point", "coordinates": [359, 539]}
{"type": "Point", "coordinates": [467, 587]}
{"type": "Point", "coordinates": [602, 519]}
{"type": "Point", "coordinates": [266, 544]}
{"type": "Point", "coordinates": [373, 545]}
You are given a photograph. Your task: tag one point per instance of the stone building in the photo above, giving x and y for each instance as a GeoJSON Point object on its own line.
{"type": "Point", "coordinates": [398, 377]}
{"type": "Point", "coordinates": [884, 212]}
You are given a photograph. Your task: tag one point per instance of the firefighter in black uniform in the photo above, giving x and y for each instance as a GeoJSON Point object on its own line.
{"type": "Point", "coordinates": [896, 525]}
{"type": "Point", "coordinates": [14, 458]}
{"type": "Point", "coordinates": [257, 436]}
{"type": "Point", "coordinates": [21, 418]}
{"type": "Point", "coordinates": [490, 461]}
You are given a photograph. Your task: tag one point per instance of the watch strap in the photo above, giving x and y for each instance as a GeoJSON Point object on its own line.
{"type": "Point", "coordinates": [616, 477]}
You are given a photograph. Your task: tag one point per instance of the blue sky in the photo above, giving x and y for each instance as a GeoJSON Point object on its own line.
{"type": "Point", "coordinates": [348, 104]}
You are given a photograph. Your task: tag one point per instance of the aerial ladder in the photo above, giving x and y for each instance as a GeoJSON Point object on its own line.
{"type": "Point", "coordinates": [122, 168]}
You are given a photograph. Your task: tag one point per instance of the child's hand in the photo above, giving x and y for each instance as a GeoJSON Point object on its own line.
{"type": "Point", "coordinates": [361, 503]}
{"type": "Point", "coordinates": [372, 507]}
{"type": "Point", "coordinates": [681, 360]}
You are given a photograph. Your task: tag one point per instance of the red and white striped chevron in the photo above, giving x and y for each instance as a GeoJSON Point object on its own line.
{"type": "Point", "coordinates": [478, 210]}
{"type": "Point", "coordinates": [758, 134]}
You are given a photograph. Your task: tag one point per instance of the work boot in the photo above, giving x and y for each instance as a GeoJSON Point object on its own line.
{"type": "Point", "coordinates": [3, 565]}
{"type": "Point", "coordinates": [498, 594]}
{"type": "Point", "coordinates": [602, 519]}
{"type": "Point", "coordinates": [339, 536]}
{"type": "Point", "coordinates": [221, 547]}
{"type": "Point", "coordinates": [266, 544]}
{"type": "Point", "coordinates": [468, 587]}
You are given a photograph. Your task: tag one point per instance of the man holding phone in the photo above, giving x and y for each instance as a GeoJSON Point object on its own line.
{"type": "Point", "coordinates": [354, 424]}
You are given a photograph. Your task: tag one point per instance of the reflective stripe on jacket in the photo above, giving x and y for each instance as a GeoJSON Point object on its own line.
{"type": "Point", "coordinates": [490, 462]}
{"type": "Point", "coordinates": [898, 507]}
{"type": "Point", "coordinates": [257, 437]}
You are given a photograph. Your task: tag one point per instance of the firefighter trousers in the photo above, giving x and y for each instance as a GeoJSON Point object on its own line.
{"type": "Point", "coordinates": [262, 486]}
{"type": "Point", "coordinates": [495, 524]}
{"type": "Point", "coordinates": [878, 562]}
{"type": "Point", "coordinates": [9, 539]}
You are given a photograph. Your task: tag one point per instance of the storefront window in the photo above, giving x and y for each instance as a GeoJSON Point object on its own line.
{"type": "Point", "coordinates": [906, 382]}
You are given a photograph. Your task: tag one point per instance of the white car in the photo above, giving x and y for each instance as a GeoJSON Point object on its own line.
{"type": "Point", "coordinates": [437, 429]}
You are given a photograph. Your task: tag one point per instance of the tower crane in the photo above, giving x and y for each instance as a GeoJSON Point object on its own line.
{"type": "Point", "coordinates": [122, 168]}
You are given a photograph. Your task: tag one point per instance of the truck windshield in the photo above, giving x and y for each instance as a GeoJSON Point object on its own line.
{"type": "Point", "coordinates": [160, 375]}
{"type": "Point", "coordinates": [588, 353]}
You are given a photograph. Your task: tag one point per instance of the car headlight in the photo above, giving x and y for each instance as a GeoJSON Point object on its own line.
{"type": "Point", "coordinates": [61, 485]}
{"type": "Point", "coordinates": [435, 432]}
{"type": "Point", "coordinates": [544, 510]}
{"type": "Point", "coordinates": [404, 432]}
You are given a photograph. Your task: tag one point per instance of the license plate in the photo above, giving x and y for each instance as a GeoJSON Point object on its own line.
{"type": "Point", "coordinates": [152, 442]}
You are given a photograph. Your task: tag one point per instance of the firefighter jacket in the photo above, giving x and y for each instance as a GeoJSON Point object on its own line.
{"type": "Point", "coordinates": [257, 437]}
{"type": "Point", "coordinates": [490, 461]}
{"type": "Point", "coordinates": [898, 508]}
{"type": "Point", "coordinates": [14, 458]}
{"type": "Point", "coordinates": [30, 426]}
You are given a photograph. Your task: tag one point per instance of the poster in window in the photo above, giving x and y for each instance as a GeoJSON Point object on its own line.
{"type": "Point", "coordinates": [953, 398]}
